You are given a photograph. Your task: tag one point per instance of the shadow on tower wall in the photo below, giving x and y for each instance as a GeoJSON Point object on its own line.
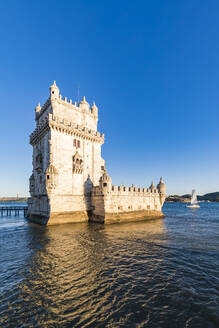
{"type": "Point", "coordinates": [88, 185]}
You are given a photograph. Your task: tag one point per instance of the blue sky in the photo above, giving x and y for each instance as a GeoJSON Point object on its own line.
{"type": "Point", "coordinates": [151, 67]}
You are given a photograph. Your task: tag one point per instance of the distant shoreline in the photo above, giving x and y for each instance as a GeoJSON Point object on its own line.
{"type": "Point", "coordinates": [211, 197]}
{"type": "Point", "coordinates": [13, 199]}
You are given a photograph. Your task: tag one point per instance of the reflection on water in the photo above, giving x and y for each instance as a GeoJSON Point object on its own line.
{"type": "Point", "coordinates": [144, 274]}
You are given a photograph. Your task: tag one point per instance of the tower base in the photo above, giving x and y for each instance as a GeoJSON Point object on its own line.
{"type": "Point", "coordinates": [59, 218]}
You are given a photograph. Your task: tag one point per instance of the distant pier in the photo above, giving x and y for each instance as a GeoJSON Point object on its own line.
{"type": "Point", "coordinates": [13, 210]}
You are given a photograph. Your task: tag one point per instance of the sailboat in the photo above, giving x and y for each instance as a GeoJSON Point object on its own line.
{"type": "Point", "coordinates": [194, 202]}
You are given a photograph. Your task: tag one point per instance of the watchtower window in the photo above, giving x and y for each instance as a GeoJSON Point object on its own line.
{"type": "Point", "coordinates": [105, 184]}
{"type": "Point", "coordinates": [76, 143]}
{"type": "Point", "coordinates": [102, 167]}
{"type": "Point", "coordinates": [47, 177]}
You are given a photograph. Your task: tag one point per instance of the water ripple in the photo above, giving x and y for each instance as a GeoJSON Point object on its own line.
{"type": "Point", "coordinates": [161, 273]}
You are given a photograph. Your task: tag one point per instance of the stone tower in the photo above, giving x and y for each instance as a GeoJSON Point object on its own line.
{"type": "Point", "coordinates": [69, 182]}
{"type": "Point", "coordinates": [67, 160]}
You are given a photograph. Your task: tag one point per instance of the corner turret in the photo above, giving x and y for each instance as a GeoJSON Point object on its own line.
{"type": "Point", "coordinates": [162, 190]}
{"type": "Point", "coordinates": [38, 108]}
{"type": "Point", "coordinates": [161, 186]}
{"type": "Point", "coordinates": [54, 91]}
{"type": "Point", "coordinates": [94, 110]}
{"type": "Point", "coordinates": [105, 182]}
{"type": "Point", "coordinates": [84, 104]}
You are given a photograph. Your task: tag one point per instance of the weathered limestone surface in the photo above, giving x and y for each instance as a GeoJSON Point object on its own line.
{"type": "Point", "coordinates": [127, 216]}
{"type": "Point", "coordinates": [69, 182]}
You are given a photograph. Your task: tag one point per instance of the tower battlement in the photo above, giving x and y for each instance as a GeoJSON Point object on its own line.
{"type": "Point", "coordinates": [82, 113]}
{"type": "Point", "coordinates": [69, 182]}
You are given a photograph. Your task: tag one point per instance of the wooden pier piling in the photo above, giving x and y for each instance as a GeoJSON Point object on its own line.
{"type": "Point", "coordinates": [13, 210]}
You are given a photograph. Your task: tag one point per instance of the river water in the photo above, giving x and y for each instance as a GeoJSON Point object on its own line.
{"type": "Point", "coordinates": [158, 273]}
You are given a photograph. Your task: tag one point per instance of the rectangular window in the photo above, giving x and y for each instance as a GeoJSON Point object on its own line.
{"type": "Point", "coordinates": [76, 143]}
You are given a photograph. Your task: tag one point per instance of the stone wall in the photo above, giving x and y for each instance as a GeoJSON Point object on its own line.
{"type": "Point", "coordinates": [120, 203]}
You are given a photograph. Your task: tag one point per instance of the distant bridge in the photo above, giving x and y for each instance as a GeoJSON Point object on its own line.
{"type": "Point", "coordinates": [13, 210]}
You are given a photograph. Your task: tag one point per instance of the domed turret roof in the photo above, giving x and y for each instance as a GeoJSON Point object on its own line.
{"type": "Point", "coordinates": [94, 107]}
{"type": "Point", "coordinates": [38, 108]}
{"type": "Point", "coordinates": [161, 185]}
{"type": "Point", "coordinates": [84, 101]}
{"type": "Point", "coordinates": [84, 104]}
{"type": "Point", "coordinates": [54, 86]}
{"type": "Point", "coordinates": [105, 176]}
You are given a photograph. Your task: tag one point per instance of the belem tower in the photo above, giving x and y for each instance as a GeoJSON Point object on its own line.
{"type": "Point", "coordinates": [69, 182]}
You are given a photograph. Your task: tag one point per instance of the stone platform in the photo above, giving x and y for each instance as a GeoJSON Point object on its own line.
{"type": "Point", "coordinates": [84, 216]}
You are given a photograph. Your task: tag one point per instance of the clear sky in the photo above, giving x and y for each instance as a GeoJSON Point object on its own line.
{"type": "Point", "coordinates": [152, 68]}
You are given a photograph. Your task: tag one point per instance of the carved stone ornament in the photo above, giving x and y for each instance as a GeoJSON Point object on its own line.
{"type": "Point", "coordinates": [78, 164]}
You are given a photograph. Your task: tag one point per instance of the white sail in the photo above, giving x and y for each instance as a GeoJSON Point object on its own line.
{"type": "Point", "coordinates": [194, 197]}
